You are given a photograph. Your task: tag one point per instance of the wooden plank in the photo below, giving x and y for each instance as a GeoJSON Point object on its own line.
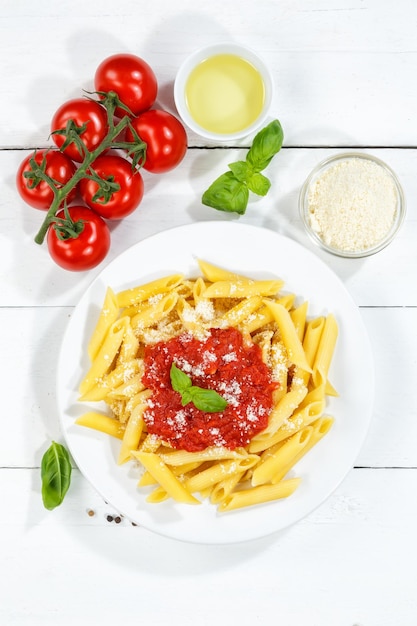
{"type": "Point", "coordinates": [346, 563]}
{"type": "Point", "coordinates": [174, 199]}
{"type": "Point", "coordinates": [344, 72]}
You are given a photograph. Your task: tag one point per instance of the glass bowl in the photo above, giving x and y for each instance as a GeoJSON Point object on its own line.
{"type": "Point", "coordinates": [352, 205]}
{"type": "Point", "coordinates": [222, 91]}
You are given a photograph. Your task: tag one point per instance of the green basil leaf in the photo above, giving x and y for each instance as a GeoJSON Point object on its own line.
{"type": "Point", "coordinates": [227, 193]}
{"type": "Point", "coordinates": [265, 146]}
{"type": "Point", "coordinates": [55, 474]}
{"type": "Point", "coordinates": [241, 170]}
{"type": "Point", "coordinates": [180, 381]}
{"type": "Point", "coordinates": [259, 184]}
{"type": "Point", "coordinates": [186, 396]}
{"type": "Point", "coordinates": [207, 400]}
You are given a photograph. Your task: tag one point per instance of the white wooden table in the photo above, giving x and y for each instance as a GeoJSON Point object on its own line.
{"type": "Point", "coordinates": [346, 76]}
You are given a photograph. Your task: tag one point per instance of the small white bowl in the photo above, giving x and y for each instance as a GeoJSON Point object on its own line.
{"type": "Point", "coordinates": [205, 54]}
{"type": "Point", "coordinates": [358, 223]}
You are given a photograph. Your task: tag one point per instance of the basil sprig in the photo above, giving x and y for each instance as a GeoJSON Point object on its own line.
{"type": "Point", "coordinates": [206, 400]}
{"type": "Point", "coordinates": [55, 474]}
{"type": "Point", "coordinates": [230, 191]}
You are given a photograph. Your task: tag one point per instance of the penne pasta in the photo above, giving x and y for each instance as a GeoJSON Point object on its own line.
{"type": "Point", "coordinates": [199, 288]}
{"type": "Point", "coordinates": [108, 315]}
{"type": "Point", "coordinates": [289, 335]}
{"type": "Point", "coordinates": [237, 314]}
{"type": "Point", "coordinates": [132, 434]}
{"type": "Point", "coordinates": [299, 318]}
{"type": "Point", "coordinates": [325, 351]}
{"type": "Point", "coordinates": [158, 495]}
{"type": "Point", "coordinates": [102, 423]}
{"type": "Point", "coordinates": [317, 430]}
{"type": "Point", "coordinates": [225, 487]}
{"type": "Point", "coordinates": [260, 318]}
{"type": "Point", "coordinates": [105, 356]}
{"type": "Point", "coordinates": [259, 495]}
{"type": "Point", "coordinates": [153, 313]}
{"type": "Point", "coordinates": [281, 458]}
{"type": "Point", "coordinates": [129, 347]}
{"type": "Point", "coordinates": [219, 471]}
{"type": "Point", "coordinates": [213, 273]}
{"type": "Point", "coordinates": [291, 357]}
{"type": "Point", "coordinates": [217, 453]}
{"type": "Point", "coordinates": [243, 288]}
{"type": "Point", "coordinates": [144, 292]}
{"type": "Point", "coordinates": [160, 471]}
{"type": "Point", "coordinates": [283, 411]}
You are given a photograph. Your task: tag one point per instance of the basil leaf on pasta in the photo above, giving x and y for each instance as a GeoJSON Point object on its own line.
{"type": "Point", "coordinates": [206, 400]}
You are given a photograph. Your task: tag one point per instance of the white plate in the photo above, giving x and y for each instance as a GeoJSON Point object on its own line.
{"type": "Point", "coordinates": [258, 253]}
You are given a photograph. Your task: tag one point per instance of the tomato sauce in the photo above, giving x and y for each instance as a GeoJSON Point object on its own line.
{"type": "Point", "coordinates": [221, 361]}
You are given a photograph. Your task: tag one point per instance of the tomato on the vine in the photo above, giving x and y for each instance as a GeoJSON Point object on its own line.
{"type": "Point", "coordinates": [86, 114]}
{"type": "Point", "coordinates": [33, 189]}
{"type": "Point", "coordinates": [110, 204]}
{"type": "Point", "coordinates": [165, 138]}
{"type": "Point", "coordinates": [131, 78]}
{"type": "Point", "coordinates": [88, 248]}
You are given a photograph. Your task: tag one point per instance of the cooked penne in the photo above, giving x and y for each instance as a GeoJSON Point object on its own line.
{"type": "Point", "coordinates": [106, 354]}
{"type": "Point", "coordinates": [284, 454]}
{"type": "Point", "coordinates": [256, 320]}
{"type": "Point", "coordinates": [283, 411]}
{"type": "Point", "coordinates": [199, 288]}
{"type": "Point", "coordinates": [243, 288]}
{"type": "Point", "coordinates": [310, 408]}
{"type": "Point", "coordinates": [214, 453]}
{"type": "Point", "coordinates": [144, 292]}
{"type": "Point", "coordinates": [213, 273]}
{"type": "Point", "coordinates": [299, 318]}
{"type": "Point", "coordinates": [317, 430]}
{"type": "Point", "coordinates": [224, 329]}
{"type": "Point", "coordinates": [132, 434]}
{"type": "Point", "coordinates": [289, 334]}
{"type": "Point", "coordinates": [278, 362]}
{"type": "Point", "coordinates": [259, 495]}
{"type": "Point", "coordinates": [160, 471]}
{"type": "Point", "coordinates": [325, 351]}
{"type": "Point", "coordinates": [108, 315]}
{"type": "Point", "coordinates": [225, 487]}
{"type": "Point", "coordinates": [158, 495]}
{"type": "Point", "coordinates": [155, 312]}
{"type": "Point", "coordinates": [129, 347]}
{"type": "Point", "coordinates": [187, 314]}
{"type": "Point", "coordinates": [102, 423]}
{"type": "Point", "coordinates": [219, 471]}
{"type": "Point", "coordinates": [131, 387]}
{"type": "Point", "coordinates": [237, 314]}
{"type": "Point", "coordinates": [151, 443]}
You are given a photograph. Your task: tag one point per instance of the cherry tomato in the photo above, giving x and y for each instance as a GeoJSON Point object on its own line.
{"type": "Point", "coordinates": [120, 203]}
{"type": "Point", "coordinates": [81, 111]}
{"type": "Point", "coordinates": [165, 138]}
{"type": "Point", "coordinates": [85, 251]}
{"type": "Point", "coordinates": [131, 78]}
{"type": "Point", "coordinates": [35, 191]}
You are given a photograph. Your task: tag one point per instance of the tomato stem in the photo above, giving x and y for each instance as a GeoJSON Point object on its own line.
{"type": "Point", "coordinates": [136, 150]}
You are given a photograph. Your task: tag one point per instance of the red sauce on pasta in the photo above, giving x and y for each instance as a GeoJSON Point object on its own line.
{"type": "Point", "coordinates": [223, 362]}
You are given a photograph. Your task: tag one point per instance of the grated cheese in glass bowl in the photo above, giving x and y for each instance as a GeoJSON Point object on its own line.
{"type": "Point", "coordinates": [352, 205]}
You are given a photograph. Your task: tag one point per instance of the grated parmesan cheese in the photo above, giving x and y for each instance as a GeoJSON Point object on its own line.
{"type": "Point", "coordinates": [352, 205]}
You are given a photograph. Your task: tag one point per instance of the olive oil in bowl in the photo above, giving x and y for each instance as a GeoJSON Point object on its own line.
{"type": "Point", "coordinates": [225, 94]}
